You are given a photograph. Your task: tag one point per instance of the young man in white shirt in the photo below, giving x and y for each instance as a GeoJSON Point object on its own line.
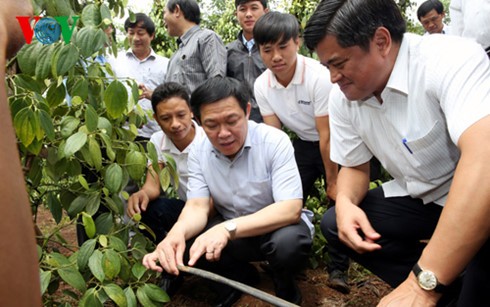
{"type": "Point", "coordinates": [293, 92]}
{"type": "Point", "coordinates": [172, 112]}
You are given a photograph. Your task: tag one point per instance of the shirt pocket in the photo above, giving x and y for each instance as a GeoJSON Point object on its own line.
{"type": "Point", "coordinates": [433, 155]}
{"type": "Point", "coordinates": [258, 194]}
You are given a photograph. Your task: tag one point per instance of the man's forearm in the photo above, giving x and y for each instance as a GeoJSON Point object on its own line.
{"type": "Point", "coordinates": [352, 184]}
{"type": "Point", "coordinates": [193, 218]}
{"type": "Point", "coordinates": [463, 226]}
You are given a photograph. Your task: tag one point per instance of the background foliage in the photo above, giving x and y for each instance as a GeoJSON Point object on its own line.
{"type": "Point", "coordinates": [76, 124]}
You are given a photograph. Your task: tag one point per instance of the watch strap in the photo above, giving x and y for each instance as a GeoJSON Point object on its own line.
{"type": "Point", "coordinates": [440, 288]}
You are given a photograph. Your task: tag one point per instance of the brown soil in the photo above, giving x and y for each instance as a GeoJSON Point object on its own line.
{"type": "Point", "coordinates": [366, 289]}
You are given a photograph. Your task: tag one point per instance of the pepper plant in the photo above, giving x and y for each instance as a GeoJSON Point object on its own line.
{"type": "Point", "coordinates": [76, 123]}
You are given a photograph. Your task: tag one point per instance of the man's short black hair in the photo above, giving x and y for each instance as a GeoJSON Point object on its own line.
{"type": "Point", "coordinates": [143, 21]}
{"type": "Point", "coordinates": [275, 27]}
{"type": "Point", "coordinates": [353, 22]}
{"type": "Point", "coordinates": [167, 90]}
{"type": "Point", "coordinates": [240, 2]}
{"type": "Point", "coordinates": [428, 6]}
{"type": "Point", "coordinates": [189, 8]}
{"type": "Point", "coordinates": [218, 88]}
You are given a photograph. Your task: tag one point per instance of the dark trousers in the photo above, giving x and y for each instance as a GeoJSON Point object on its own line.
{"type": "Point", "coordinates": [310, 164]}
{"type": "Point", "coordinates": [403, 222]}
{"type": "Point", "coordinates": [161, 215]}
{"type": "Point", "coordinates": [286, 249]}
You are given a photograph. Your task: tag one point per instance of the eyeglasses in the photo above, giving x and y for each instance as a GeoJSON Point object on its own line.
{"type": "Point", "coordinates": [433, 19]}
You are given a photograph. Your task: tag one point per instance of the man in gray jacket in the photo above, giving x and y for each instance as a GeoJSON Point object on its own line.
{"type": "Point", "coordinates": [244, 61]}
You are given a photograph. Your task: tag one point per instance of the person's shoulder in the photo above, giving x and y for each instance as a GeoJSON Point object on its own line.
{"type": "Point", "coordinates": [157, 137]}
{"type": "Point", "coordinates": [262, 133]}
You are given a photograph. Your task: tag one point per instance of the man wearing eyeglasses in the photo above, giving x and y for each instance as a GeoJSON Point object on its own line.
{"type": "Point", "coordinates": [430, 14]}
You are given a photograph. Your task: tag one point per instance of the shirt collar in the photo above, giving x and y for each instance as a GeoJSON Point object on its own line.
{"type": "Point", "coordinates": [399, 75]}
{"type": "Point", "coordinates": [151, 56]}
{"type": "Point", "coordinates": [184, 39]}
{"type": "Point", "coordinates": [169, 146]}
{"type": "Point", "coordinates": [247, 43]}
{"type": "Point", "coordinates": [299, 74]}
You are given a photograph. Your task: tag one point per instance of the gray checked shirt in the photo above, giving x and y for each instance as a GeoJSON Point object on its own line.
{"type": "Point", "coordinates": [201, 55]}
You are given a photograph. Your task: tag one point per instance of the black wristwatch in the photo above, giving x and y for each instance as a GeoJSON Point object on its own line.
{"type": "Point", "coordinates": [427, 280]}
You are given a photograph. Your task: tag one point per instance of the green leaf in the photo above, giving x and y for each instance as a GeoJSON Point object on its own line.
{"type": "Point", "coordinates": [105, 126]}
{"type": "Point", "coordinates": [64, 60]}
{"type": "Point", "coordinates": [171, 167]}
{"type": "Point", "coordinates": [143, 298]}
{"type": "Point", "coordinates": [116, 294]}
{"type": "Point", "coordinates": [130, 297]}
{"type": "Point", "coordinates": [46, 56]}
{"type": "Point", "coordinates": [47, 124]}
{"type": "Point", "coordinates": [54, 206]}
{"type": "Point", "coordinates": [68, 126]}
{"type": "Point", "coordinates": [111, 263]}
{"type": "Point", "coordinates": [29, 83]}
{"type": "Point", "coordinates": [95, 265]}
{"type": "Point", "coordinates": [72, 277]}
{"type": "Point", "coordinates": [27, 57]}
{"type": "Point", "coordinates": [56, 94]}
{"type": "Point", "coordinates": [91, 15]}
{"type": "Point", "coordinates": [91, 118]}
{"type": "Point", "coordinates": [74, 143]}
{"type": "Point", "coordinates": [95, 153]}
{"type": "Point", "coordinates": [104, 223]}
{"type": "Point", "coordinates": [88, 224]}
{"type": "Point", "coordinates": [83, 182]}
{"type": "Point", "coordinates": [90, 299]}
{"type": "Point", "coordinates": [164, 177]}
{"type": "Point", "coordinates": [135, 165]}
{"type": "Point", "coordinates": [117, 244]}
{"type": "Point", "coordinates": [113, 178]}
{"type": "Point", "coordinates": [116, 99]}
{"type": "Point", "coordinates": [80, 89]}
{"type": "Point", "coordinates": [45, 280]}
{"type": "Point", "coordinates": [86, 250]}
{"type": "Point", "coordinates": [90, 40]}
{"type": "Point", "coordinates": [155, 293]}
{"type": "Point", "coordinates": [103, 241]}
{"type": "Point", "coordinates": [138, 270]}
{"type": "Point", "coordinates": [105, 12]}
{"type": "Point", "coordinates": [77, 205]}
{"type": "Point", "coordinates": [152, 153]}
{"type": "Point", "coordinates": [93, 203]}
{"type": "Point", "coordinates": [24, 126]}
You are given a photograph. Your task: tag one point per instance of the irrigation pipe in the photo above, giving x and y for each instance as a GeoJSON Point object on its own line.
{"type": "Point", "coordinates": [266, 297]}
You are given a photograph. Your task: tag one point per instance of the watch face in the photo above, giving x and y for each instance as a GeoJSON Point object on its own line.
{"type": "Point", "coordinates": [427, 280]}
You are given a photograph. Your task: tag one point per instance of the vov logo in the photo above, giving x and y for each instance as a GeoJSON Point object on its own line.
{"type": "Point", "coordinates": [47, 29]}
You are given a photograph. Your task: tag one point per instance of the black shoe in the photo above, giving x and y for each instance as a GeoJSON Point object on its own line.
{"type": "Point", "coordinates": [338, 280]}
{"type": "Point", "coordinates": [170, 283]}
{"type": "Point", "coordinates": [228, 298]}
{"type": "Point", "coordinates": [287, 289]}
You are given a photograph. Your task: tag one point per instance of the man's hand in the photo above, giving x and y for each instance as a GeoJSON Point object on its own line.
{"type": "Point", "coordinates": [145, 92]}
{"type": "Point", "coordinates": [210, 243]}
{"type": "Point", "coordinates": [137, 202]}
{"type": "Point", "coordinates": [410, 294]}
{"type": "Point", "coordinates": [168, 254]}
{"type": "Point", "coordinates": [350, 220]}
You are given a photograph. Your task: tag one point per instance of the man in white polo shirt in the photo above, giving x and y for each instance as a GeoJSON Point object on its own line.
{"type": "Point", "coordinates": [293, 92]}
{"type": "Point", "coordinates": [172, 112]}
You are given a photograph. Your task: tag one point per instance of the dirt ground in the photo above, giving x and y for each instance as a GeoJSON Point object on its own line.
{"type": "Point", "coordinates": [366, 289]}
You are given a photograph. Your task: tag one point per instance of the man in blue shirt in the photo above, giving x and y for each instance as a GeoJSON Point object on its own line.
{"type": "Point", "coordinates": [249, 172]}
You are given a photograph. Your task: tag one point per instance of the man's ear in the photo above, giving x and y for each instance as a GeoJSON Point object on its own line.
{"type": "Point", "coordinates": [266, 10]}
{"type": "Point", "coordinates": [382, 40]}
{"type": "Point", "coordinates": [249, 108]}
{"type": "Point", "coordinates": [154, 116]}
